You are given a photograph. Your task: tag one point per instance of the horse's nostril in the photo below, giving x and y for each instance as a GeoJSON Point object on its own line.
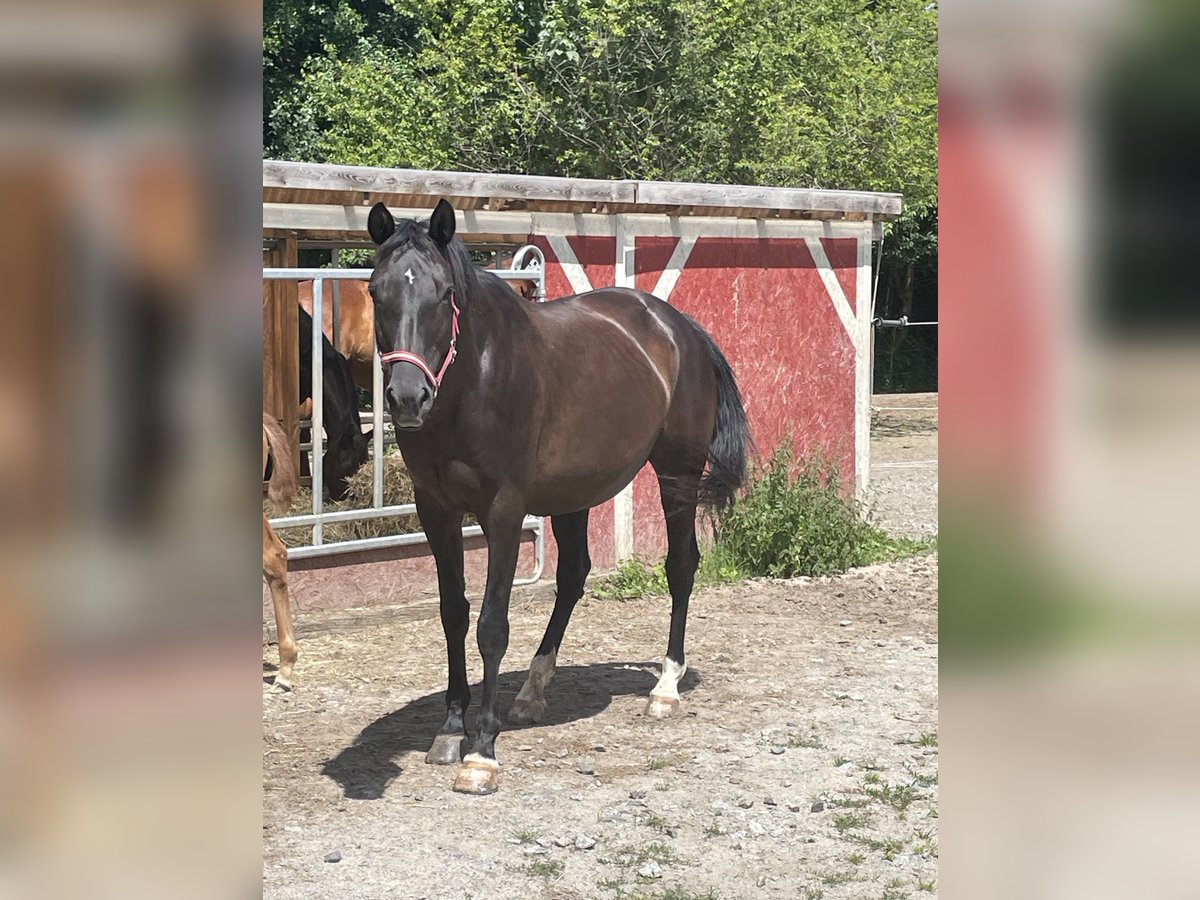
{"type": "Point", "coordinates": [390, 394]}
{"type": "Point", "coordinates": [423, 397]}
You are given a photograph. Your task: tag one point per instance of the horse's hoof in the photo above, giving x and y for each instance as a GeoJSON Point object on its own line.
{"type": "Point", "coordinates": [478, 775]}
{"type": "Point", "coordinates": [446, 750]}
{"type": "Point", "coordinates": [526, 712]}
{"type": "Point", "coordinates": [662, 707]}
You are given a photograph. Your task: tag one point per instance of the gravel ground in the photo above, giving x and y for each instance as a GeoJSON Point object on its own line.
{"type": "Point", "coordinates": [803, 763]}
{"type": "Point", "coordinates": [904, 451]}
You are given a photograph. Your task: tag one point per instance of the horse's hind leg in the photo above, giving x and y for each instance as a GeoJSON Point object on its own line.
{"type": "Point", "coordinates": [683, 556]}
{"type": "Point", "coordinates": [275, 572]}
{"type": "Point", "coordinates": [570, 533]}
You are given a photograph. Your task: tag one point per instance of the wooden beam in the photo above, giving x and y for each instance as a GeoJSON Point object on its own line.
{"type": "Point", "coordinates": [315, 222]}
{"type": "Point", "coordinates": [373, 182]}
{"type": "Point", "coordinates": [354, 186]}
{"type": "Point", "coordinates": [281, 344]}
{"type": "Point", "coordinates": [680, 194]}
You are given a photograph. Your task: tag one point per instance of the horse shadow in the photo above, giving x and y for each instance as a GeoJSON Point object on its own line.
{"type": "Point", "coordinates": [367, 767]}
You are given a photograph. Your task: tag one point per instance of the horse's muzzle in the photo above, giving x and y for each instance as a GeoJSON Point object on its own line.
{"type": "Point", "coordinates": [409, 396]}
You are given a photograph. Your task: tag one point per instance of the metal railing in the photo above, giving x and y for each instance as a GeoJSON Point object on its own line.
{"type": "Point", "coordinates": [319, 518]}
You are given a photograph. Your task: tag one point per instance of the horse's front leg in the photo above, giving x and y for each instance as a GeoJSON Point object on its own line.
{"type": "Point", "coordinates": [480, 772]}
{"type": "Point", "coordinates": [443, 529]}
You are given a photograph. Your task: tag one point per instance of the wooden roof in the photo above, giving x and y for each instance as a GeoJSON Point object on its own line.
{"type": "Point", "coordinates": [329, 186]}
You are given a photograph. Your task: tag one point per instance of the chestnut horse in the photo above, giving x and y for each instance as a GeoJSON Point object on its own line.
{"type": "Point", "coordinates": [281, 488]}
{"type": "Point", "coordinates": [505, 408]}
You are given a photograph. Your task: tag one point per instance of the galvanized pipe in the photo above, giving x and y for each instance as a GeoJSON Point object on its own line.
{"type": "Point", "coordinates": [319, 517]}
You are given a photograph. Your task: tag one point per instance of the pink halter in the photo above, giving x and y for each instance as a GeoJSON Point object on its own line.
{"type": "Point", "coordinates": [417, 360]}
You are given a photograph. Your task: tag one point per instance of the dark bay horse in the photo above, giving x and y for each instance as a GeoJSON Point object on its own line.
{"type": "Point", "coordinates": [346, 443]}
{"type": "Point", "coordinates": [356, 323]}
{"type": "Point", "coordinates": [505, 408]}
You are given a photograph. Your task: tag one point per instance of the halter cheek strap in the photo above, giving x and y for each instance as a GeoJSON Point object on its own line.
{"type": "Point", "coordinates": [435, 380]}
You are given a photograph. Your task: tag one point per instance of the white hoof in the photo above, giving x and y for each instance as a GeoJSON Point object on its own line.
{"type": "Point", "coordinates": [661, 706]}
{"type": "Point", "coordinates": [478, 775]}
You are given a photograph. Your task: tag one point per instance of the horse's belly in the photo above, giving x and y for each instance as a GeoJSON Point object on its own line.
{"type": "Point", "coordinates": [573, 492]}
{"type": "Point", "coordinates": [585, 471]}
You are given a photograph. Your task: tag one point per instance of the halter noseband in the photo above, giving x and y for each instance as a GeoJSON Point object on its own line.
{"type": "Point", "coordinates": [435, 381]}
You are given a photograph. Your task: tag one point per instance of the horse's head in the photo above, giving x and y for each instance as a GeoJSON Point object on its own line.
{"type": "Point", "coordinates": [344, 456]}
{"type": "Point", "coordinates": [415, 309]}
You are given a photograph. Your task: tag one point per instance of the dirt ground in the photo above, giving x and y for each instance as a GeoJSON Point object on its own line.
{"type": "Point", "coordinates": [803, 763]}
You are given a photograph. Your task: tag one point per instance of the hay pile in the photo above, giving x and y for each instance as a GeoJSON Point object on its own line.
{"type": "Point", "coordinates": [397, 489]}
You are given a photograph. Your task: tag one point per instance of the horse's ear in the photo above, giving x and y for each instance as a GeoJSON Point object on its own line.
{"type": "Point", "coordinates": [441, 223]}
{"type": "Point", "coordinates": [380, 224]}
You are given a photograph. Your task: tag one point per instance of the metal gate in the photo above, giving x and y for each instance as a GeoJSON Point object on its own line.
{"type": "Point", "coordinates": [533, 526]}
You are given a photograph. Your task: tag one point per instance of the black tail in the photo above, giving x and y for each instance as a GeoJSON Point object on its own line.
{"type": "Point", "coordinates": [731, 440]}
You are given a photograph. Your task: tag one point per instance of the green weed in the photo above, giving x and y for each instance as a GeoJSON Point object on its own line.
{"type": "Point", "coordinates": [890, 848]}
{"type": "Point", "coordinates": [844, 822]}
{"type": "Point", "coordinates": [635, 856]}
{"type": "Point", "coordinates": [807, 741]}
{"type": "Point", "coordinates": [898, 796]}
{"type": "Point", "coordinates": [544, 868]}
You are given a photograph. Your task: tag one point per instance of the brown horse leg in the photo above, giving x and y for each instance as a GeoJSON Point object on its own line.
{"type": "Point", "coordinates": [480, 772]}
{"type": "Point", "coordinates": [683, 556]}
{"type": "Point", "coordinates": [570, 534]}
{"type": "Point", "coordinates": [275, 572]}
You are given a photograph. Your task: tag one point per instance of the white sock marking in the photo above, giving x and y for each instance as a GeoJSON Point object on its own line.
{"type": "Point", "coordinates": [668, 684]}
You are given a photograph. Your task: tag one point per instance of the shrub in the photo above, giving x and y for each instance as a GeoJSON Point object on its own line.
{"type": "Point", "coordinates": [795, 519]}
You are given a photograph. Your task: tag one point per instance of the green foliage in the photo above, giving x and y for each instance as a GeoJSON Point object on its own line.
{"type": "Point", "coordinates": [832, 93]}
{"type": "Point", "coordinates": [795, 519]}
{"type": "Point", "coordinates": [634, 578]}
{"type": "Point", "coordinates": [827, 93]}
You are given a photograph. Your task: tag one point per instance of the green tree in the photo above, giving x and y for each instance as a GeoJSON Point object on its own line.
{"type": "Point", "coordinates": [825, 93]}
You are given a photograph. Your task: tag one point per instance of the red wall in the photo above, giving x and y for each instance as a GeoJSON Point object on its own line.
{"type": "Point", "coordinates": [764, 303]}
